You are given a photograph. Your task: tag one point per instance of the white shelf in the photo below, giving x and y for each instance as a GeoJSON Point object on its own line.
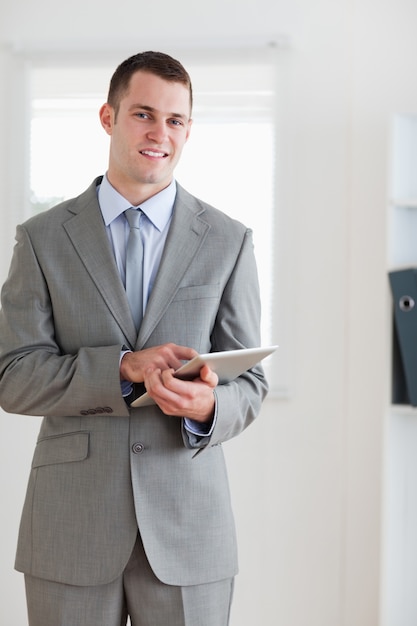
{"type": "Point", "coordinates": [400, 483]}
{"type": "Point", "coordinates": [403, 409]}
{"type": "Point", "coordinates": [402, 240]}
{"type": "Point", "coordinates": [404, 163]}
{"type": "Point", "coordinates": [404, 203]}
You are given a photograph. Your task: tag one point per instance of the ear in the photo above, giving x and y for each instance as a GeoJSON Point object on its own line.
{"type": "Point", "coordinates": [190, 122]}
{"type": "Point", "coordinates": [107, 118]}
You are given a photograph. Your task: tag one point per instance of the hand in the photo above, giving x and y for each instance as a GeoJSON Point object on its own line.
{"type": "Point", "coordinates": [166, 357]}
{"type": "Point", "coordinates": [193, 399]}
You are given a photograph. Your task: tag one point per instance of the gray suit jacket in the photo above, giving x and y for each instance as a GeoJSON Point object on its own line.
{"type": "Point", "coordinates": [101, 470]}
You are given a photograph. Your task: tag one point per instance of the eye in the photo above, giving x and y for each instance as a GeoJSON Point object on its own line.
{"type": "Point", "coordinates": [176, 122]}
{"type": "Point", "coordinates": [141, 115]}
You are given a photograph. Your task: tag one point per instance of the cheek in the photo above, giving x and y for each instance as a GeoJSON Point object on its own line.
{"type": "Point", "coordinates": [179, 146]}
{"type": "Point", "coordinates": [123, 146]}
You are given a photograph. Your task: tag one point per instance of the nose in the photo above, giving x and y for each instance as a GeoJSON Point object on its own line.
{"type": "Point", "coordinates": [158, 131]}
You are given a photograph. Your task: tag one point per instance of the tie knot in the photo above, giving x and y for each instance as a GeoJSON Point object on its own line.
{"type": "Point", "coordinates": [133, 217]}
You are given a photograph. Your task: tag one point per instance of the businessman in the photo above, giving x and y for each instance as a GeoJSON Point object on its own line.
{"type": "Point", "coordinates": [127, 511]}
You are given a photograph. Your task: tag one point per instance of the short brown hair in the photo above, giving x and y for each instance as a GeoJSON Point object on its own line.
{"type": "Point", "coordinates": [157, 63]}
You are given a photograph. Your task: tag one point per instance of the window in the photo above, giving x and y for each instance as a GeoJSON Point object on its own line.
{"type": "Point", "coordinates": [229, 160]}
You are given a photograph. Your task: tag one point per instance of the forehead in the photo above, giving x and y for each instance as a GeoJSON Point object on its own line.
{"type": "Point", "coordinates": [149, 90]}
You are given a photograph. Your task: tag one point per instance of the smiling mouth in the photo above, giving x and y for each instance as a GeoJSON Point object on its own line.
{"type": "Point", "coordinates": [153, 153]}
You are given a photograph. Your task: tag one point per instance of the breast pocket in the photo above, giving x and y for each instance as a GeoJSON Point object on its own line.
{"type": "Point", "coordinates": [197, 292]}
{"type": "Point", "coordinates": [191, 315]}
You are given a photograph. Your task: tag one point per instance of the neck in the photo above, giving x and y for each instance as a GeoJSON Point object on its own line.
{"type": "Point", "coordinates": [136, 193]}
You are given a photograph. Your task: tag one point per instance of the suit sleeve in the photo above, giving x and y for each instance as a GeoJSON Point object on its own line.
{"type": "Point", "coordinates": [237, 326]}
{"type": "Point", "coordinates": [36, 376]}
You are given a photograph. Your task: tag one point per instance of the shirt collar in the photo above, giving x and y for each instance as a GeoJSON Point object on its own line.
{"type": "Point", "coordinates": [158, 208]}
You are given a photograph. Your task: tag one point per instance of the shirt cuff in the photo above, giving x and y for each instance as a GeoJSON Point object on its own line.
{"type": "Point", "coordinates": [125, 385]}
{"type": "Point", "coordinates": [201, 429]}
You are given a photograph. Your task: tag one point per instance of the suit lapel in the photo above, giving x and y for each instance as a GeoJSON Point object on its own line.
{"type": "Point", "coordinates": [88, 235]}
{"type": "Point", "coordinates": [186, 235]}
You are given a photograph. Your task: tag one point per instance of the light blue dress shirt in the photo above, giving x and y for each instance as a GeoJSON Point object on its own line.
{"type": "Point", "coordinates": [154, 225]}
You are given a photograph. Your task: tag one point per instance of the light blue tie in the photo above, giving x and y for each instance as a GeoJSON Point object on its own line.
{"type": "Point", "coordinates": [134, 266]}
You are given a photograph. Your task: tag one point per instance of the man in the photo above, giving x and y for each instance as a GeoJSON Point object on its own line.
{"type": "Point", "coordinates": [128, 511]}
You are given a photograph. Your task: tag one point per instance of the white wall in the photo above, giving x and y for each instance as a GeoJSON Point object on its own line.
{"type": "Point", "coordinates": [308, 477]}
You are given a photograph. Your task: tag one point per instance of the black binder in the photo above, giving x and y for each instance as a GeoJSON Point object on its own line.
{"type": "Point", "coordinates": [404, 374]}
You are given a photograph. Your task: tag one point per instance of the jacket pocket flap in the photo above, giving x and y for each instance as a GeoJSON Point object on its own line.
{"type": "Point", "coordinates": [65, 448]}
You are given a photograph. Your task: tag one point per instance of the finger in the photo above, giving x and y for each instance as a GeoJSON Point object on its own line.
{"type": "Point", "coordinates": [171, 355]}
{"type": "Point", "coordinates": [208, 376]}
{"type": "Point", "coordinates": [152, 379]}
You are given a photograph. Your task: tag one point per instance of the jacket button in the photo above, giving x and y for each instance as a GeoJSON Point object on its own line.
{"type": "Point", "coordinates": [138, 447]}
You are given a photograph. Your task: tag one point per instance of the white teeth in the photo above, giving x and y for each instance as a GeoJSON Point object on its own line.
{"type": "Point", "coordinates": [153, 154]}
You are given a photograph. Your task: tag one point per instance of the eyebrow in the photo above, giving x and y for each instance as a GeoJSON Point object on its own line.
{"type": "Point", "coordinates": [145, 107]}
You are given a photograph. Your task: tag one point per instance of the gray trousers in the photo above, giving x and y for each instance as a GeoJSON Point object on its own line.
{"type": "Point", "coordinates": [137, 594]}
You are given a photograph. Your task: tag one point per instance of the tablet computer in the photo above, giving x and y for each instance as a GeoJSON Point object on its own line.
{"type": "Point", "coordinates": [228, 365]}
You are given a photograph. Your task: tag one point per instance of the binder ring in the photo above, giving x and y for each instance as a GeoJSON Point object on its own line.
{"type": "Point", "coordinates": [406, 304]}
